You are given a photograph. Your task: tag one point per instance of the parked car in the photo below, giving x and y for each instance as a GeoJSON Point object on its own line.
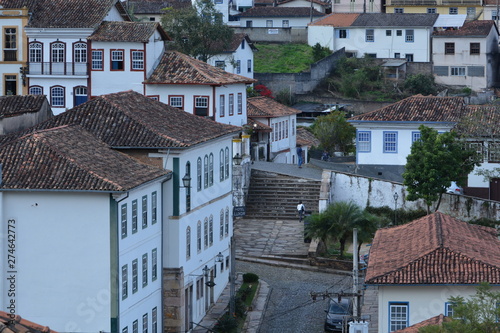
{"type": "Point", "coordinates": [455, 189]}
{"type": "Point", "coordinates": [338, 314]}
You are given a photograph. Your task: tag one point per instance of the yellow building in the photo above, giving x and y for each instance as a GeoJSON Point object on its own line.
{"type": "Point", "coordinates": [13, 55]}
{"type": "Point", "coordinates": [472, 8]}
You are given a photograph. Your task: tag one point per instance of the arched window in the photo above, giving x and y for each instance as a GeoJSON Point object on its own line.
{"type": "Point", "coordinates": [221, 224]}
{"type": "Point", "coordinates": [57, 52]}
{"type": "Point", "coordinates": [57, 96]}
{"type": "Point", "coordinates": [188, 243]}
{"type": "Point", "coordinates": [35, 52]}
{"type": "Point", "coordinates": [205, 232]}
{"type": "Point", "coordinates": [211, 169]}
{"type": "Point", "coordinates": [221, 166]}
{"type": "Point", "coordinates": [211, 231]}
{"type": "Point", "coordinates": [188, 189]}
{"type": "Point", "coordinates": [35, 90]}
{"type": "Point", "coordinates": [226, 160]}
{"type": "Point", "coordinates": [80, 52]}
{"type": "Point", "coordinates": [198, 237]}
{"type": "Point", "coordinates": [198, 174]}
{"type": "Point", "coordinates": [205, 171]}
{"type": "Point", "coordinates": [227, 221]}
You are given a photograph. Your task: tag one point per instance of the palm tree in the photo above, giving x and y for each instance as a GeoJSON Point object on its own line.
{"type": "Point", "coordinates": [335, 222]}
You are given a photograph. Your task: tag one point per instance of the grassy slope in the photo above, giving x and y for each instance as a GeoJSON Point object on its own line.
{"type": "Point", "coordinates": [282, 58]}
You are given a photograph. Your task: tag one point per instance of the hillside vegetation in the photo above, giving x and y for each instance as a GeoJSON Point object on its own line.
{"type": "Point", "coordinates": [283, 58]}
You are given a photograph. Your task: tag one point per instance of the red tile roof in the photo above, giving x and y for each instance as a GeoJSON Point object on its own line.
{"type": "Point", "coordinates": [265, 107]}
{"type": "Point", "coordinates": [258, 126]}
{"type": "Point", "coordinates": [139, 32]}
{"type": "Point", "coordinates": [66, 13]}
{"type": "Point", "coordinates": [178, 68]}
{"type": "Point", "coordinates": [437, 320]}
{"type": "Point", "coordinates": [481, 121]}
{"type": "Point", "coordinates": [131, 120]}
{"type": "Point", "coordinates": [20, 325]}
{"type": "Point", "coordinates": [280, 12]}
{"type": "Point", "coordinates": [306, 138]}
{"type": "Point", "coordinates": [156, 6]}
{"type": "Point", "coordinates": [336, 20]}
{"type": "Point", "coordinates": [478, 28]}
{"type": "Point", "coordinates": [70, 158]}
{"type": "Point", "coordinates": [15, 105]}
{"type": "Point", "coordinates": [418, 109]}
{"type": "Point", "coordinates": [435, 249]}
{"type": "Point", "coordinates": [236, 42]}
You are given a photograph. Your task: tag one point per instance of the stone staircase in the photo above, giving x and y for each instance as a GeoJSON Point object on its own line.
{"type": "Point", "coordinates": [275, 196]}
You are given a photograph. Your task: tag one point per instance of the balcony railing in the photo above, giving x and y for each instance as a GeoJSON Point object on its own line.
{"type": "Point", "coordinates": [433, 2]}
{"type": "Point", "coordinates": [58, 68]}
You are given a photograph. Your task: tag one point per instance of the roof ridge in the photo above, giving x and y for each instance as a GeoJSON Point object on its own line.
{"type": "Point", "coordinates": [196, 65]}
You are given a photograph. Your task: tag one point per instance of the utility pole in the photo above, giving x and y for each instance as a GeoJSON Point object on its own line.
{"type": "Point", "coordinates": [355, 274]}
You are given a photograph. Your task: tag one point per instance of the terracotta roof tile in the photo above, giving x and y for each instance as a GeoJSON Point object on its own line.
{"type": "Point", "coordinates": [265, 107]}
{"type": "Point", "coordinates": [65, 13]}
{"type": "Point", "coordinates": [478, 28]}
{"type": "Point", "coordinates": [139, 32]}
{"type": "Point", "coordinates": [70, 158]}
{"type": "Point", "coordinates": [481, 121]}
{"type": "Point", "coordinates": [178, 68]}
{"type": "Point", "coordinates": [306, 138]}
{"type": "Point", "coordinates": [435, 249]}
{"type": "Point", "coordinates": [437, 320]}
{"type": "Point", "coordinates": [395, 20]}
{"type": "Point", "coordinates": [336, 20]}
{"type": "Point", "coordinates": [280, 12]}
{"type": "Point", "coordinates": [157, 6]}
{"type": "Point", "coordinates": [259, 126]}
{"type": "Point", "coordinates": [20, 325]}
{"type": "Point", "coordinates": [131, 120]}
{"type": "Point", "coordinates": [319, 2]}
{"type": "Point", "coordinates": [418, 109]}
{"type": "Point", "coordinates": [15, 105]}
{"type": "Point", "coordinates": [236, 42]}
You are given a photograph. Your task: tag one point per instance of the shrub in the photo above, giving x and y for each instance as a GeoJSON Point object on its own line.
{"type": "Point", "coordinates": [226, 324]}
{"type": "Point", "coordinates": [250, 278]}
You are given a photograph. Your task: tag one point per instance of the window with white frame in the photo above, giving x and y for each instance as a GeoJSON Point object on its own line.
{"type": "Point", "coordinates": [97, 60]}
{"type": "Point", "coordinates": [457, 71]}
{"type": "Point", "coordinates": [137, 60]}
{"type": "Point", "coordinates": [431, 11]}
{"type": "Point", "coordinates": [221, 165]}
{"type": "Point", "coordinates": [269, 23]}
{"type": "Point", "coordinates": [144, 270]}
{"type": "Point", "coordinates": [293, 126]}
{"type": "Point", "coordinates": [80, 52]}
{"type": "Point", "coordinates": [188, 243]}
{"type": "Point", "coordinates": [471, 13]}
{"type": "Point", "coordinates": [285, 23]}
{"type": "Point", "coordinates": [198, 236]}
{"type": "Point", "coordinates": [176, 101]}
{"type": "Point", "coordinates": [198, 174]}
{"type": "Point", "coordinates": [409, 57]}
{"type": "Point", "coordinates": [205, 232]}
{"type": "Point", "coordinates": [125, 329]}
{"type": "Point", "coordinates": [478, 147]}
{"type": "Point", "coordinates": [134, 216]}
{"type": "Point", "coordinates": [35, 90]}
{"type": "Point", "coordinates": [399, 32]}
{"type": "Point", "coordinates": [398, 316]}
{"type": "Point", "coordinates": [449, 309]}
{"type": "Point", "coordinates": [453, 10]}
{"type": "Point", "coordinates": [154, 207]}
{"type": "Point", "coordinates": [226, 231]}
{"type": "Point", "coordinates": [415, 136]}
{"type": "Point", "coordinates": [154, 319]}
{"type": "Point", "coordinates": [211, 231]}
{"type": "Point", "coordinates": [57, 96]}
{"type": "Point", "coordinates": [221, 224]}
{"type": "Point", "coordinates": [364, 141]}
{"type": "Point", "coordinates": [145, 323]}
{"type": "Point", "coordinates": [57, 52]}
{"type": "Point", "coordinates": [238, 66]}
{"type": "Point", "coordinates": [117, 60]}
{"type": "Point", "coordinates": [390, 142]}
{"type": "Point", "coordinates": [135, 268]}
{"type": "Point", "coordinates": [124, 220]}
{"type": "Point", "coordinates": [399, 10]}
{"type": "Point", "coordinates": [342, 33]}
{"type": "Point", "coordinates": [124, 281]}
{"type": "Point", "coordinates": [222, 104]}
{"type": "Point", "coordinates": [201, 105]}
{"type": "Point", "coordinates": [10, 44]}
{"type": "Point", "coordinates": [144, 211]}
{"type": "Point", "coordinates": [135, 326]}
{"type": "Point", "coordinates": [240, 103]}
{"type": "Point", "coordinates": [494, 15]}
{"type": "Point", "coordinates": [211, 169]}
{"type": "Point", "coordinates": [249, 66]}
{"type": "Point", "coordinates": [475, 48]}
{"type": "Point", "coordinates": [286, 129]}
{"type": "Point", "coordinates": [220, 64]}
{"type": "Point", "coordinates": [205, 171]}
{"type": "Point", "coordinates": [35, 52]}
{"type": "Point", "coordinates": [370, 36]}
{"type": "Point", "coordinates": [410, 38]}
{"type": "Point", "coordinates": [226, 160]}
{"type": "Point", "coordinates": [493, 152]}
{"type": "Point", "coordinates": [231, 104]}
{"type": "Point", "coordinates": [388, 33]}
{"type": "Point", "coordinates": [154, 264]}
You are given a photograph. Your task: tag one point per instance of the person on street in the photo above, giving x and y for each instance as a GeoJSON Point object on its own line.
{"type": "Point", "coordinates": [299, 156]}
{"type": "Point", "coordinates": [301, 209]}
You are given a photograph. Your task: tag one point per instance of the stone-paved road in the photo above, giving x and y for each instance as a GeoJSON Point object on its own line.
{"type": "Point", "coordinates": [290, 308]}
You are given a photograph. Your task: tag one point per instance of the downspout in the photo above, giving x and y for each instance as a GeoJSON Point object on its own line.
{"type": "Point", "coordinates": [145, 67]}
{"type": "Point", "coordinates": [213, 102]}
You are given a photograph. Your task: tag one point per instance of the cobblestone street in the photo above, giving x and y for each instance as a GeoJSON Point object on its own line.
{"type": "Point", "coordinates": [290, 308]}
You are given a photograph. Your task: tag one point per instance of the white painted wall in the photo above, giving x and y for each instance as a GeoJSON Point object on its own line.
{"type": "Point", "coordinates": [230, 59]}
{"type": "Point", "coordinates": [303, 3]}
{"type": "Point", "coordinates": [62, 258]}
{"type": "Point", "coordinates": [322, 34]}
{"type": "Point", "coordinates": [258, 22]}
{"type": "Point", "coordinates": [283, 145]}
{"type": "Point", "coordinates": [424, 301]}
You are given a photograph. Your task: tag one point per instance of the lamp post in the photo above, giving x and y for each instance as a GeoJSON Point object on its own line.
{"type": "Point", "coordinates": [186, 180]}
{"type": "Point", "coordinates": [395, 207]}
{"type": "Point", "coordinates": [237, 159]}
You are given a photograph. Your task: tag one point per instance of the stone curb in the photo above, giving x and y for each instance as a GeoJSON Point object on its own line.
{"type": "Point", "coordinates": [259, 306]}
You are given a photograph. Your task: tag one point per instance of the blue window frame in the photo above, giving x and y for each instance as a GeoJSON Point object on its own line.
{"type": "Point", "coordinates": [398, 315]}
{"type": "Point", "coordinates": [415, 136]}
{"type": "Point", "coordinates": [390, 142]}
{"type": "Point", "coordinates": [448, 309]}
{"type": "Point", "coordinates": [364, 141]}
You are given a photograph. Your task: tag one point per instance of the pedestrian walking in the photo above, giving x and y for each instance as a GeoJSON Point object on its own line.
{"type": "Point", "coordinates": [301, 209]}
{"type": "Point", "coordinates": [299, 156]}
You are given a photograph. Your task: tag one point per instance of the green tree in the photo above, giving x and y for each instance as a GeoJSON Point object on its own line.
{"type": "Point", "coordinates": [334, 132]}
{"type": "Point", "coordinates": [479, 314]}
{"type": "Point", "coordinates": [420, 84]}
{"type": "Point", "coordinates": [434, 162]}
{"type": "Point", "coordinates": [197, 31]}
{"type": "Point", "coordinates": [337, 221]}
{"type": "Point", "coordinates": [319, 52]}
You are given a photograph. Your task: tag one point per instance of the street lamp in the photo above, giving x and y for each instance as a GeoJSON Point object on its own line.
{"type": "Point", "coordinates": [186, 180]}
{"type": "Point", "coordinates": [205, 271]}
{"type": "Point", "coordinates": [237, 159]}
{"type": "Point", "coordinates": [219, 257]}
{"type": "Point", "coordinates": [395, 206]}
